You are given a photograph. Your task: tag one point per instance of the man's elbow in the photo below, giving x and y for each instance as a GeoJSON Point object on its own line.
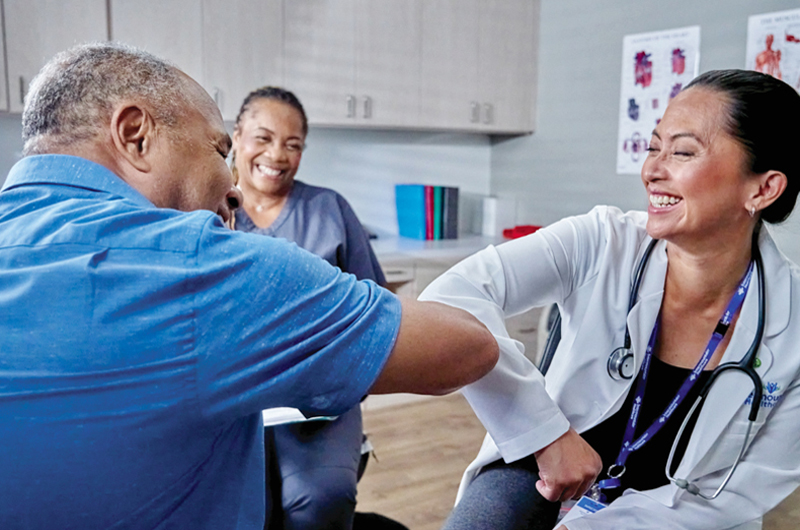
{"type": "Point", "coordinates": [466, 366]}
{"type": "Point", "coordinates": [439, 349]}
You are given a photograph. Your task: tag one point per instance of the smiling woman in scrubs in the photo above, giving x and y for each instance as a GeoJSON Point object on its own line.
{"type": "Point", "coordinates": [311, 467]}
{"type": "Point", "coordinates": [721, 162]}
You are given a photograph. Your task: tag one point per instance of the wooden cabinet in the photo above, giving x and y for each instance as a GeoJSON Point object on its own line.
{"type": "Point", "coordinates": [35, 30]}
{"type": "Point", "coordinates": [506, 64]}
{"type": "Point", "coordinates": [449, 61]}
{"type": "Point", "coordinates": [478, 64]}
{"type": "Point", "coordinates": [465, 65]}
{"type": "Point", "coordinates": [319, 58]}
{"type": "Point", "coordinates": [438, 64]}
{"type": "Point", "coordinates": [354, 62]}
{"type": "Point", "coordinates": [228, 47]}
{"type": "Point", "coordinates": [242, 49]}
{"type": "Point", "coordinates": [387, 61]}
{"type": "Point", "coordinates": [170, 29]}
{"type": "Point", "coordinates": [3, 79]}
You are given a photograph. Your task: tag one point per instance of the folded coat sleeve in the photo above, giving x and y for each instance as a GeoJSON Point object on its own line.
{"type": "Point", "coordinates": [510, 401]}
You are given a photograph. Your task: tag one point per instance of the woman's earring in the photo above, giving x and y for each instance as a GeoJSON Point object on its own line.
{"type": "Point", "coordinates": [752, 211]}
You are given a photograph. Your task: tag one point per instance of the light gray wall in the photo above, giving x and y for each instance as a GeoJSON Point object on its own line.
{"type": "Point", "coordinates": [569, 164]}
{"type": "Point", "coordinates": [364, 166]}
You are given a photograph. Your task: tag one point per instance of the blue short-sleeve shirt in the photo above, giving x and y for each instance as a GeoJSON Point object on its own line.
{"type": "Point", "coordinates": [138, 346]}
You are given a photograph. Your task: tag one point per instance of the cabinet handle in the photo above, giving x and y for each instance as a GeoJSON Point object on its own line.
{"type": "Point", "coordinates": [367, 107]}
{"type": "Point", "coordinates": [475, 112]}
{"type": "Point", "coordinates": [488, 113]}
{"type": "Point", "coordinates": [351, 106]}
{"type": "Point", "coordinates": [22, 90]}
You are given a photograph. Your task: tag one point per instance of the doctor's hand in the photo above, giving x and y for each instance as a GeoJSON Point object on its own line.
{"type": "Point", "coordinates": [567, 467]}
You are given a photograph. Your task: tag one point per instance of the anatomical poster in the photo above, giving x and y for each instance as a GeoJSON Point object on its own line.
{"type": "Point", "coordinates": [655, 66]}
{"type": "Point", "coordinates": [773, 45]}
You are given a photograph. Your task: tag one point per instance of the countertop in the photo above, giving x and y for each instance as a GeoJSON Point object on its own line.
{"type": "Point", "coordinates": [391, 248]}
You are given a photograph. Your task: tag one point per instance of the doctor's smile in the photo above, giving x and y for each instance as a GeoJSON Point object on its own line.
{"type": "Point", "coordinates": [663, 201]}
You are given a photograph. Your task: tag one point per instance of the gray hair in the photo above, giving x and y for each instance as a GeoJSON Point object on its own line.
{"type": "Point", "coordinates": [73, 96]}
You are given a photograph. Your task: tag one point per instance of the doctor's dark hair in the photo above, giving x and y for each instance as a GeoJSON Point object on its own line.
{"type": "Point", "coordinates": [764, 114]}
{"type": "Point", "coordinates": [276, 94]}
{"type": "Point", "coordinates": [73, 96]}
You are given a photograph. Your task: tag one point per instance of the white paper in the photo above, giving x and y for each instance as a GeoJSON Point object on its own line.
{"type": "Point", "coordinates": [773, 45]}
{"type": "Point", "coordinates": [282, 415]}
{"type": "Point", "coordinates": [655, 66]}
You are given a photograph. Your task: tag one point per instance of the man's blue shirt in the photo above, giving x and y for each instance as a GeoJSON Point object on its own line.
{"type": "Point", "coordinates": [138, 346]}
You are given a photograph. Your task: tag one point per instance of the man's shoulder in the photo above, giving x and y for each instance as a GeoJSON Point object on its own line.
{"type": "Point", "coordinates": [47, 214]}
{"type": "Point", "coordinates": [166, 230]}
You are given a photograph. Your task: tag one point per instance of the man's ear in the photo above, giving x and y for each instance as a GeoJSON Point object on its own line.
{"type": "Point", "coordinates": [133, 135]}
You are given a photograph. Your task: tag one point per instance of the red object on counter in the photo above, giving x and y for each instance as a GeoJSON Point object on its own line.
{"type": "Point", "coordinates": [429, 213]}
{"type": "Point", "coordinates": [519, 231]}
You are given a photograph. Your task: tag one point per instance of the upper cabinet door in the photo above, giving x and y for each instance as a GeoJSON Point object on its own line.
{"type": "Point", "coordinates": [38, 29]}
{"type": "Point", "coordinates": [449, 87]}
{"type": "Point", "coordinates": [388, 43]}
{"type": "Point", "coordinates": [507, 64]}
{"type": "Point", "coordinates": [243, 49]}
{"type": "Point", "coordinates": [319, 58]}
{"type": "Point", "coordinates": [170, 29]}
{"type": "Point", "coordinates": [3, 80]}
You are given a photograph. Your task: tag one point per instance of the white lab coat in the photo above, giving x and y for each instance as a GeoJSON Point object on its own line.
{"type": "Point", "coordinates": [586, 265]}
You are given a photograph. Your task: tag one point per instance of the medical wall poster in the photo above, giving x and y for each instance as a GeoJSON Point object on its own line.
{"type": "Point", "coordinates": [773, 45]}
{"type": "Point", "coordinates": [655, 67]}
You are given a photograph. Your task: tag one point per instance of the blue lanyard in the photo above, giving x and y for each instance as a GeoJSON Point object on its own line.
{"type": "Point", "coordinates": [628, 444]}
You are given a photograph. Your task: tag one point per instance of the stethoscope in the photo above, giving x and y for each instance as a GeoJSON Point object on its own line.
{"type": "Point", "coordinates": [621, 366]}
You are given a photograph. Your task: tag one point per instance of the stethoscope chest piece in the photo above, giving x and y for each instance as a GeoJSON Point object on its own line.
{"type": "Point", "coordinates": [621, 364]}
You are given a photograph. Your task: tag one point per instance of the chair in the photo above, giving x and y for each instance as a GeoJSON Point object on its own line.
{"type": "Point", "coordinates": [548, 338]}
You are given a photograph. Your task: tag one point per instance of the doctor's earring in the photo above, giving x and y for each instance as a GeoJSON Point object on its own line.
{"type": "Point", "coordinates": [752, 211]}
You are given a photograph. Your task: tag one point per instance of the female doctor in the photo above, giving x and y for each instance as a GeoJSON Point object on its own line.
{"type": "Point", "coordinates": [721, 162]}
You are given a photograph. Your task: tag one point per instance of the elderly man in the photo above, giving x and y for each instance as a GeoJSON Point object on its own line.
{"type": "Point", "coordinates": [140, 338]}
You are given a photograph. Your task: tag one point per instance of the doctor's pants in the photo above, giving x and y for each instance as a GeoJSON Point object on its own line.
{"type": "Point", "coordinates": [504, 497]}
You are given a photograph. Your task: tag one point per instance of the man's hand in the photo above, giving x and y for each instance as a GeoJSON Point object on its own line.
{"type": "Point", "coordinates": [567, 468]}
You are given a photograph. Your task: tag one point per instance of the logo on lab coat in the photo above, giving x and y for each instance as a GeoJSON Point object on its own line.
{"type": "Point", "coordinates": [773, 394]}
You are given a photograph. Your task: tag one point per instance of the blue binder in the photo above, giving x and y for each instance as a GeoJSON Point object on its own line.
{"type": "Point", "coordinates": [410, 202]}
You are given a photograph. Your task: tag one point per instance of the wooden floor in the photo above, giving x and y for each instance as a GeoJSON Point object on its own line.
{"type": "Point", "coordinates": [422, 449]}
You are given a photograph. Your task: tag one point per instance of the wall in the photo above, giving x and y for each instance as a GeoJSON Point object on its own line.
{"type": "Point", "coordinates": [569, 164]}
{"type": "Point", "coordinates": [364, 166]}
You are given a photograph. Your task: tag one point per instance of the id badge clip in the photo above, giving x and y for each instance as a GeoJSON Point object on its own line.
{"type": "Point", "coordinates": [592, 502]}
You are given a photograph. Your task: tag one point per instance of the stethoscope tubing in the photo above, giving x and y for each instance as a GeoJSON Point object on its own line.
{"type": "Point", "coordinates": [746, 365]}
